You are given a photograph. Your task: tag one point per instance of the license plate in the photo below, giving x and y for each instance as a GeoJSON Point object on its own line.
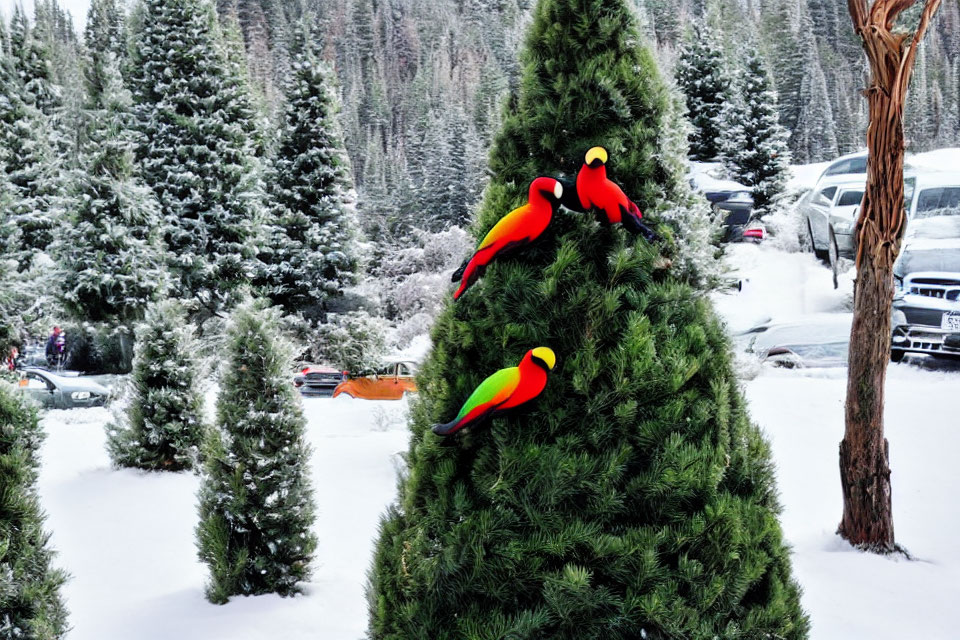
{"type": "Point", "coordinates": [951, 321]}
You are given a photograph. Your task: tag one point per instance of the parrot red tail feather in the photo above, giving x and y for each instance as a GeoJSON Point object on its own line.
{"type": "Point", "coordinates": [504, 390]}
{"type": "Point", "coordinates": [514, 231]}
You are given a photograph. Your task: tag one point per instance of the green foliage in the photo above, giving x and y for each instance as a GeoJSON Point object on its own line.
{"type": "Point", "coordinates": [30, 604]}
{"type": "Point", "coordinates": [162, 429]}
{"type": "Point", "coordinates": [701, 76]}
{"type": "Point", "coordinates": [755, 146]}
{"type": "Point", "coordinates": [198, 148]}
{"type": "Point", "coordinates": [634, 498]}
{"type": "Point", "coordinates": [256, 506]}
{"type": "Point", "coordinates": [312, 253]}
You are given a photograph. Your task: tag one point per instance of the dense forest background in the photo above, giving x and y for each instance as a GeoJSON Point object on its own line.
{"type": "Point", "coordinates": [421, 87]}
{"type": "Point", "coordinates": [423, 82]}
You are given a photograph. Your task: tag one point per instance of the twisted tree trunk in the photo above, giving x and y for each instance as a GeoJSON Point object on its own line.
{"type": "Point", "coordinates": [864, 452]}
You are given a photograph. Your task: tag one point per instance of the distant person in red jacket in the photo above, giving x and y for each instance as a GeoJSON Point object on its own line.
{"type": "Point", "coordinates": [56, 348]}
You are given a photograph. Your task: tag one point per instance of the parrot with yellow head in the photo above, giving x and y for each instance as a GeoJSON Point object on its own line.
{"type": "Point", "coordinates": [596, 192]}
{"type": "Point", "coordinates": [504, 390]}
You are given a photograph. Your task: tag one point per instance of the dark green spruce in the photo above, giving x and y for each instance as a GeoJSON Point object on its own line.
{"type": "Point", "coordinates": [634, 498]}
{"type": "Point", "coordinates": [256, 503]}
{"type": "Point", "coordinates": [30, 604]}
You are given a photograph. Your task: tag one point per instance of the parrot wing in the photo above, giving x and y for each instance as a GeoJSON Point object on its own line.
{"type": "Point", "coordinates": [509, 229]}
{"type": "Point", "coordinates": [491, 393]}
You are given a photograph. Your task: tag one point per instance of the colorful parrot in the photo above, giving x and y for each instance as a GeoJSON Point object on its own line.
{"type": "Point", "coordinates": [514, 231]}
{"type": "Point", "coordinates": [504, 390]}
{"type": "Point", "coordinates": [597, 192]}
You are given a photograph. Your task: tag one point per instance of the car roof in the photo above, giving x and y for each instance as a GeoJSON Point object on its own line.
{"type": "Point", "coordinates": [946, 178]}
{"type": "Point", "coordinates": [842, 180]}
{"type": "Point", "coordinates": [320, 368]}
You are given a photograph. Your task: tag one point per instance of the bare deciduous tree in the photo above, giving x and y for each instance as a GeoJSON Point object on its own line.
{"type": "Point", "coordinates": [864, 452]}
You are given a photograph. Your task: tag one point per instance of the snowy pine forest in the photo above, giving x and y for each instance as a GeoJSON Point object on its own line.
{"type": "Point", "coordinates": [411, 94]}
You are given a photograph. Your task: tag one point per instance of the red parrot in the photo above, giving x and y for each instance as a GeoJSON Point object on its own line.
{"type": "Point", "coordinates": [504, 390]}
{"type": "Point", "coordinates": [514, 231]}
{"type": "Point", "coordinates": [599, 193]}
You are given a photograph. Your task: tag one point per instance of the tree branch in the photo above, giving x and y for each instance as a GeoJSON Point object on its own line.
{"type": "Point", "coordinates": [906, 65]}
{"type": "Point", "coordinates": [858, 12]}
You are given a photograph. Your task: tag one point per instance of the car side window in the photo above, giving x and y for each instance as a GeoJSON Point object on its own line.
{"type": "Point", "coordinates": [838, 168]}
{"type": "Point", "coordinates": [850, 198]}
{"type": "Point", "coordinates": [825, 197]}
{"type": "Point", "coordinates": [909, 188]}
{"type": "Point", "coordinates": [36, 382]}
{"type": "Point", "coordinates": [403, 370]}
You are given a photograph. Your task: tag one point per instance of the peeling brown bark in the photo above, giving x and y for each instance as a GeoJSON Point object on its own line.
{"type": "Point", "coordinates": [864, 452]}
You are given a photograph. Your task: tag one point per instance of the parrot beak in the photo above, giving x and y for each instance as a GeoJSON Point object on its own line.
{"type": "Point", "coordinates": [558, 190]}
{"type": "Point", "coordinates": [595, 157]}
{"type": "Point", "coordinates": [546, 355]}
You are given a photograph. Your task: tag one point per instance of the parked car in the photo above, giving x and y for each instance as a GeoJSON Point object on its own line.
{"type": "Point", "coordinates": [727, 197]}
{"type": "Point", "coordinates": [318, 380]}
{"type": "Point", "coordinates": [926, 303]}
{"type": "Point", "coordinates": [819, 340]}
{"type": "Point", "coordinates": [54, 391]}
{"type": "Point", "coordinates": [390, 382]}
{"type": "Point", "coordinates": [831, 208]}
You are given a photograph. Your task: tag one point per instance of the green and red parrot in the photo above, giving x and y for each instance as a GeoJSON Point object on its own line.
{"type": "Point", "coordinates": [596, 192]}
{"type": "Point", "coordinates": [514, 231]}
{"type": "Point", "coordinates": [504, 390]}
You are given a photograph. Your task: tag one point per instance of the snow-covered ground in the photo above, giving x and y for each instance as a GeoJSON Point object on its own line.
{"type": "Point", "coordinates": [127, 537]}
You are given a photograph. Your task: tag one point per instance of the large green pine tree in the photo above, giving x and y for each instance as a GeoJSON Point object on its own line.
{"type": "Point", "coordinates": [31, 607]}
{"type": "Point", "coordinates": [311, 255]}
{"type": "Point", "coordinates": [26, 157]}
{"type": "Point", "coordinates": [634, 498]}
{"type": "Point", "coordinates": [256, 502]}
{"type": "Point", "coordinates": [198, 150]}
{"type": "Point", "coordinates": [111, 251]}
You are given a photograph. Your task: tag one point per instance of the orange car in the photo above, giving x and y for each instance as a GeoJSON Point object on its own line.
{"type": "Point", "coordinates": [389, 383]}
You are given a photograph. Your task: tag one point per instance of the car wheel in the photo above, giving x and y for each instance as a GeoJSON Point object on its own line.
{"type": "Point", "coordinates": [833, 252]}
{"type": "Point", "coordinates": [897, 355]}
{"type": "Point", "coordinates": [822, 254]}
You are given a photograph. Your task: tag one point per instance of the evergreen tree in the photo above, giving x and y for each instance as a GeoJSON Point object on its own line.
{"type": "Point", "coordinates": [256, 504]}
{"type": "Point", "coordinates": [701, 77]}
{"type": "Point", "coordinates": [756, 152]}
{"type": "Point", "coordinates": [311, 255]}
{"type": "Point", "coordinates": [32, 64]}
{"type": "Point", "coordinates": [198, 150]}
{"type": "Point", "coordinates": [162, 429]}
{"type": "Point", "coordinates": [28, 163]}
{"type": "Point", "coordinates": [110, 252]}
{"type": "Point", "coordinates": [30, 604]}
{"type": "Point", "coordinates": [814, 138]}
{"type": "Point", "coordinates": [634, 499]}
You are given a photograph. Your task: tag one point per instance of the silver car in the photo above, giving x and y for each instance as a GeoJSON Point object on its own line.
{"type": "Point", "coordinates": [926, 303]}
{"type": "Point", "coordinates": [54, 391]}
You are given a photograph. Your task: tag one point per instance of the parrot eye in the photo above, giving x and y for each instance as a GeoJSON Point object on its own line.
{"type": "Point", "coordinates": [558, 191]}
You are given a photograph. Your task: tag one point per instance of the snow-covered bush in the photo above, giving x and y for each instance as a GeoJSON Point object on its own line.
{"type": "Point", "coordinates": [785, 225]}
{"type": "Point", "coordinates": [411, 282]}
{"type": "Point", "coordinates": [160, 427]}
{"type": "Point", "coordinates": [256, 503]}
{"type": "Point", "coordinates": [355, 341]}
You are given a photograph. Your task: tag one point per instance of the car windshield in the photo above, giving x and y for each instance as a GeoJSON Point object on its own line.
{"type": "Point", "coordinates": [939, 201]}
{"type": "Point", "coordinates": [850, 198]}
